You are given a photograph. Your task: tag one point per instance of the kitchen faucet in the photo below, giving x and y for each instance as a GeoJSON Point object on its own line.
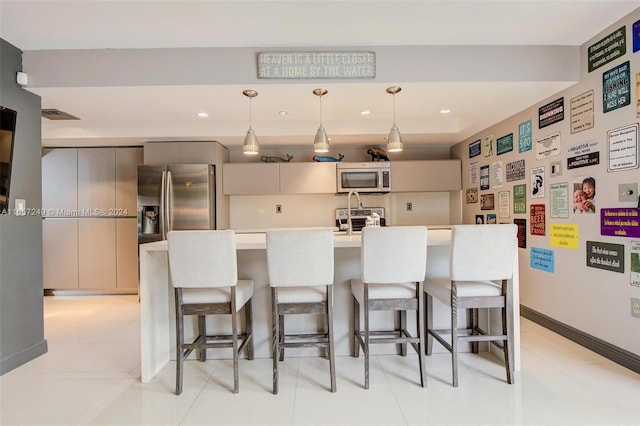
{"type": "Point", "coordinates": [350, 229]}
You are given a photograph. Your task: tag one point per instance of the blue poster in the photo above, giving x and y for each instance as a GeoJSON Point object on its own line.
{"type": "Point", "coordinates": [504, 144]}
{"type": "Point", "coordinates": [524, 136]}
{"type": "Point", "coordinates": [635, 35]}
{"type": "Point", "coordinates": [616, 87]}
{"type": "Point", "coordinates": [542, 259]}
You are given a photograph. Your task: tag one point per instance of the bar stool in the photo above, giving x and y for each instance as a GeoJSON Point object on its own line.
{"type": "Point", "coordinates": [204, 274]}
{"type": "Point", "coordinates": [394, 262]}
{"type": "Point", "coordinates": [300, 264]}
{"type": "Point", "coordinates": [480, 256]}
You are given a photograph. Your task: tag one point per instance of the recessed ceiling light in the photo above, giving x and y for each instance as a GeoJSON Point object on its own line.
{"type": "Point", "coordinates": [203, 114]}
{"type": "Point", "coordinates": [283, 113]}
{"type": "Point", "coordinates": [365, 112]}
{"type": "Point", "coordinates": [445, 111]}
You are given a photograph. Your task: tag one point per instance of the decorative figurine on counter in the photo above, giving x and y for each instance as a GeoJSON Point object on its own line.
{"type": "Point", "coordinates": [377, 154]}
{"type": "Point", "coordinates": [271, 159]}
{"type": "Point", "coordinates": [326, 158]}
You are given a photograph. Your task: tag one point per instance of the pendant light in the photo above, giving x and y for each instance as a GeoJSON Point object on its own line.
{"type": "Point", "coordinates": [250, 145]}
{"type": "Point", "coordinates": [394, 141]}
{"type": "Point", "coordinates": [321, 142]}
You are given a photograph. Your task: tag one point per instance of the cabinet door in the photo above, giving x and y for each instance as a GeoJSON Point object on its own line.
{"type": "Point", "coordinates": [429, 175]}
{"type": "Point", "coordinates": [60, 182]}
{"type": "Point", "coordinates": [156, 153]}
{"type": "Point", "coordinates": [96, 181]}
{"type": "Point", "coordinates": [97, 253]}
{"type": "Point", "coordinates": [250, 179]}
{"type": "Point", "coordinates": [60, 253]}
{"type": "Point", "coordinates": [127, 160]}
{"type": "Point", "coordinates": [198, 152]}
{"type": "Point", "coordinates": [308, 178]}
{"type": "Point", "coordinates": [126, 253]}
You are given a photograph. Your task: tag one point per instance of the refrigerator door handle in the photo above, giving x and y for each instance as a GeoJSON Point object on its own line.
{"type": "Point", "coordinates": [169, 202]}
{"type": "Point", "coordinates": [163, 195]}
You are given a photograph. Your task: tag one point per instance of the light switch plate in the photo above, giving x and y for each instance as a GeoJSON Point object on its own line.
{"type": "Point", "coordinates": [628, 192]}
{"type": "Point", "coordinates": [21, 206]}
{"type": "Point", "coordinates": [635, 307]}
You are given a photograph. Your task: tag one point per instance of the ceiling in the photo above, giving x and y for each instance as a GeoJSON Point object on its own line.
{"type": "Point", "coordinates": [130, 114]}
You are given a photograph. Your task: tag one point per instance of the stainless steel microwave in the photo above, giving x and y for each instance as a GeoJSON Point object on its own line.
{"type": "Point", "coordinates": [364, 177]}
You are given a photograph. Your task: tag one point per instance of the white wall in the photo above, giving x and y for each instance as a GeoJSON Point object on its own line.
{"type": "Point", "coordinates": [594, 301]}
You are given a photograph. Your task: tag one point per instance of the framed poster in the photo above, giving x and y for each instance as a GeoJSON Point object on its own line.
{"type": "Point", "coordinates": [519, 199]}
{"type": "Point", "coordinates": [525, 140]}
{"type": "Point", "coordinates": [504, 201]}
{"type": "Point", "coordinates": [504, 144]}
{"type": "Point", "coordinates": [623, 148]}
{"type": "Point", "coordinates": [537, 182]}
{"type": "Point", "coordinates": [559, 200]}
{"type": "Point", "coordinates": [616, 87]}
{"type": "Point", "coordinates": [537, 218]}
{"type": "Point", "coordinates": [487, 202]}
{"type": "Point", "coordinates": [487, 146]}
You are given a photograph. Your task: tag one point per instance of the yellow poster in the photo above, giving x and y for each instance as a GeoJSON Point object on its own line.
{"type": "Point", "coordinates": [638, 95]}
{"type": "Point", "coordinates": [564, 235]}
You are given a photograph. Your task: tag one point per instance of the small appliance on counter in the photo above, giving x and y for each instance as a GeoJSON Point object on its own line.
{"type": "Point", "coordinates": [358, 217]}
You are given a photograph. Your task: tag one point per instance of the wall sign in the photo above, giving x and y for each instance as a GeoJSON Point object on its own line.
{"type": "Point", "coordinates": [504, 202]}
{"type": "Point", "coordinates": [515, 170]}
{"type": "Point", "coordinates": [616, 87]}
{"type": "Point", "coordinates": [484, 177]}
{"type": "Point", "coordinates": [487, 146]}
{"type": "Point", "coordinates": [519, 199]}
{"type": "Point", "coordinates": [563, 235]}
{"type": "Point", "coordinates": [559, 200]}
{"type": "Point", "coordinates": [522, 232]}
{"type": "Point", "coordinates": [472, 195]}
{"type": "Point", "coordinates": [474, 149]}
{"type": "Point", "coordinates": [634, 247]}
{"type": "Point", "coordinates": [635, 34]}
{"type": "Point", "coordinates": [605, 256]}
{"type": "Point", "coordinates": [537, 182]}
{"type": "Point", "coordinates": [473, 172]}
{"type": "Point", "coordinates": [496, 174]}
{"type": "Point", "coordinates": [524, 136]}
{"type": "Point", "coordinates": [582, 112]}
{"type": "Point", "coordinates": [607, 49]}
{"type": "Point", "coordinates": [487, 202]}
{"type": "Point", "coordinates": [491, 219]}
{"type": "Point", "coordinates": [623, 148]}
{"type": "Point", "coordinates": [541, 259]}
{"type": "Point", "coordinates": [537, 218]}
{"type": "Point", "coordinates": [548, 146]}
{"type": "Point", "coordinates": [551, 113]}
{"type": "Point", "coordinates": [305, 65]}
{"type": "Point", "coordinates": [504, 144]}
{"type": "Point", "coordinates": [620, 222]}
{"type": "Point", "coordinates": [583, 155]}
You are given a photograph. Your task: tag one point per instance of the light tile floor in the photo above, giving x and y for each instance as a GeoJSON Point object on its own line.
{"type": "Point", "coordinates": [90, 376]}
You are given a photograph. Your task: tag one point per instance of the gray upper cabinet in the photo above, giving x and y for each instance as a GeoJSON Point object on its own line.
{"type": "Point", "coordinates": [426, 176]}
{"type": "Point", "coordinates": [250, 178]}
{"type": "Point", "coordinates": [59, 181]}
{"type": "Point", "coordinates": [204, 152]}
{"type": "Point", "coordinates": [127, 160]}
{"type": "Point", "coordinates": [308, 178]}
{"type": "Point", "coordinates": [96, 178]}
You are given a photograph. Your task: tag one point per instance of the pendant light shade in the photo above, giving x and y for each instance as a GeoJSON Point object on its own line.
{"type": "Point", "coordinates": [394, 140]}
{"type": "Point", "coordinates": [321, 141]}
{"type": "Point", "coordinates": [250, 145]}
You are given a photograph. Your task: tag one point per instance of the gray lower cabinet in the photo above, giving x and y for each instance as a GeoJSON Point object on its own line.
{"type": "Point", "coordinates": [126, 253]}
{"type": "Point", "coordinates": [97, 253]}
{"type": "Point", "coordinates": [60, 253]}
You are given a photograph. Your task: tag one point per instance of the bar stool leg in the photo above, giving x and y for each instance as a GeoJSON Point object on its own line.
{"type": "Point", "coordinates": [365, 349]}
{"type": "Point", "coordinates": [276, 338]}
{"type": "Point", "coordinates": [355, 352]}
{"type": "Point", "coordinates": [332, 355]}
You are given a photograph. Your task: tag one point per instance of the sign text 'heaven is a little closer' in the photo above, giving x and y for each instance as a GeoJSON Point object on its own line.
{"type": "Point", "coordinates": [300, 65]}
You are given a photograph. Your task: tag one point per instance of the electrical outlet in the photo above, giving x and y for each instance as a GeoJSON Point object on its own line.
{"type": "Point", "coordinates": [635, 307]}
{"type": "Point", "coordinates": [278, 208]}
{"type": "Point", "coordinates": [409, 206]}
{"type": "Point", "coordinates": [628, 192]}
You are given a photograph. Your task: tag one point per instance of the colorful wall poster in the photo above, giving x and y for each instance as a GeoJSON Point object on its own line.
{"type": "Point", "coordinates": [582, 112]}
{"type": "Point", "coordinates": [563, 235]}
{"type": "Point", "coordinates": [472, 195]}
{"type": "Point", "coordinates": [623, 148]}
{"type": "Point", "coordinates": [559, 200]}
{"type": "Point", "coordinates": [584, 194]}
{"type": "Point", "coordinates": [616, 87]}
{"type": "Point", "coordinates": [487, 202]}
{"type": "Point", "coordinates": [583, 154]}
{"type": "Point", "coordinates": [491, 219]}
{"type": "Point", "coordinates": [537, 182]}
{"type": "Point", "coordinates": [638, 95]}
{"type": "Point", "coordinates": [548, 146]}
{"type": "Point", "coordinates": [537, 218]}
{"type": "Point", "coordinates": [504, 144]}
{"type": "Point", "coordinates": [522, 232]}
{"type": "Point", "coordinates": [487, 146]}
{"type": "Point", "coordinates": [519, 199]}
{"type": "Point", "coordinates": [525, 139]}
{"type": "Point", "coordinates": [484, 177]}
{"type": "Point", "coordinates": [496, 174]}
{"type": "Point", "coordinates": [635, 35]}
{"type": "Point", "coordinates": [541, 259]}
{"type": "Point", "coordinates": [474, 149]}
{"type": "Point", "coordinates": [504, 203]}
{"type": "Point", "coordinates": [634, 247]}
{"type": "Point", "coordinates": [607, 49]}
{"type": "Point", "coordinates": [479, 219]}
{"type": "Point", "coordinates": [606, 256]}
{"type": "Point", "coordinates": [620, 222]}
{"type": "Point", "coordinates": [551, 113]}
{"type": "Point", "coordinates": [515, 170]}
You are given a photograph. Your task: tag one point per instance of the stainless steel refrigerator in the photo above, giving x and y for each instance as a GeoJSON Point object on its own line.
{"type": "Point", "coordinates": [175, 197]}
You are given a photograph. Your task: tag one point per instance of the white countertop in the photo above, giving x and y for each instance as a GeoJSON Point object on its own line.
{"type": "Point", "coordinates": [257, 240]}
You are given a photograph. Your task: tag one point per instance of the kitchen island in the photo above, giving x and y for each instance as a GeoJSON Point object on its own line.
{"type": "Point", "coordinates": [157, 313]}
